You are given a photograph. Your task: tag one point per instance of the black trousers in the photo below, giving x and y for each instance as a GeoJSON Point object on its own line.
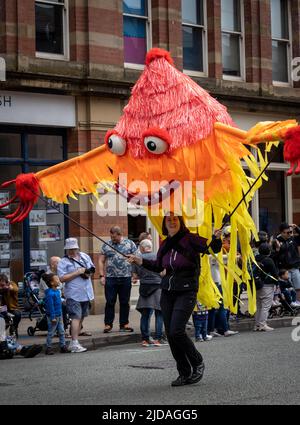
{"type": "Point", "coordinates": [176, 308]}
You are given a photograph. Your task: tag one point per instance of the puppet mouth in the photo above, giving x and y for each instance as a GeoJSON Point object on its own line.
{"type": "Point", "coordinates": [150, 198]}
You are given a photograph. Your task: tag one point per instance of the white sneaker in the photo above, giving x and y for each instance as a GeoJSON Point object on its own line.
{"type": "Point", "coordinates": [230, 333]}
{"type": "Point", "coordinates": [215, 334]}
{"type": "Point", "coordinates": [77, 348]}
{"type": "Point", "coordinates": [208, 338]}
{"type": "Point", "coordinates": [266, 328]}
{"type": "Point", "coordinates": [294, 304]}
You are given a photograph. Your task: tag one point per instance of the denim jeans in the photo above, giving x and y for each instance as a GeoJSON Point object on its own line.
{"type": "Point", "coordinates": [294, 276]}
{"type": "Point", "coordinates": [200, 324]}
{"type": "Point", "coordinates": [290, 296]}
{"type": "Point", "coordinates": [52, 328]}
{"type": "Point", "coordinates": [117, 286]}
{"type": "Point", "coordinates": [146, 314]}
{"type": "Point", "coordinates": [218, 319]}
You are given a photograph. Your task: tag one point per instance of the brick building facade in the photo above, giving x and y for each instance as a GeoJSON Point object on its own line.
{"type": "Point", "coordinates": [84, 59]}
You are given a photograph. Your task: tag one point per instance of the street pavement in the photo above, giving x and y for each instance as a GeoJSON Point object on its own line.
{"type": "Point", "coordinates": [95, 324]}
{"type": "Point", "coordinates": [249, 368]}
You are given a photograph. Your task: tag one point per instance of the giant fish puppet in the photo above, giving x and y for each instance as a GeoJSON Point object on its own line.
{"type": "Point", "coordinates": [173, 131]}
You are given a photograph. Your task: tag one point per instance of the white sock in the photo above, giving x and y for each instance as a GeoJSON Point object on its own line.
{"type": "Point", "coordinates": [75, 341]}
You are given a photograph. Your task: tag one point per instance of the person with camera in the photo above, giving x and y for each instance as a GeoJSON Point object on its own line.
{"type": "Point", "coordinates": [75, 270]}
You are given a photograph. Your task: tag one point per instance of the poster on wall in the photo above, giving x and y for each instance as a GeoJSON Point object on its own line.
{"type": "Point", "coordinates": [52, 207]}
{"type": "Point", "coordinates": [38, 257]}
{"type": "Point", "coordinates": [37, 218]}
{"type": "Point", "coordinates": [4, 226]}
{"type": "Point", "coordinates": [4, 197]}
{"type": "Point", "coordinates": [4, 251]}
{"type": "Point", "coordinates": [50, 233]}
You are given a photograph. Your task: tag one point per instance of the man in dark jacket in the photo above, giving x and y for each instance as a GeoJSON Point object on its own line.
{"type": "Point", "coordinates": [286, 254]}
{"type": "Point", "coordinates": [265, 295]}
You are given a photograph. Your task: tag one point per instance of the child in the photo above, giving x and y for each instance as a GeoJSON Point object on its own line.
{"type": "Point", "coordinates": [287, 289]}
{"type": "Point", "coordinates": [200, 318]}
{"type": "Point", "coordinates": [53, 306]}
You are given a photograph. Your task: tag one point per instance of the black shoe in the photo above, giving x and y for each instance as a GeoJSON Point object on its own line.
{"type": "Point", "coordinates": [126, 329]}
{"type": "Point", "coordinates": [64, 349]}
{"type": "Point", "coordinates": [31, 351]}
{"type": "Point", "coordinates": [5, 352]}
{"type": "Point", "coordinates": [180, 381]}
{"type": "Point", "coordinates": [107, 329]}
{"type": "Point", "coordinates": [197, 374]}
{"type": "Point", "coordinates": [49, 351]}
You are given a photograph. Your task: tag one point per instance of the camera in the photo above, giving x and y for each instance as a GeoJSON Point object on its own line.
{"type": "Point", "coordinates": [88, 272]}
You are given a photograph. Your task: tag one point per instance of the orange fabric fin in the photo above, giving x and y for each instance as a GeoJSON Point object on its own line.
{"type": "Point", "coordinates": [77, 175]}
{"type": "Point", "coordinates": [269, 131]}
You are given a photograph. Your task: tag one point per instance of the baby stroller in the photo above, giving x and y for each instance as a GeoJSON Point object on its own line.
{"type": "Point", "coordinates": [282, 308]}
{"type": "Point", "coordinates": [33, 304]}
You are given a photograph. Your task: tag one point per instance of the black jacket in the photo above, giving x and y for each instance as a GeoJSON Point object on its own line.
{"type": "Point", "coordinates": [268, 267]}
{"type": "Point", "coordinates": [284, 284]}
{"type": "Point", "coordinates": [179, 256]}
{"type": "Point", "coordinates": [288, 256]}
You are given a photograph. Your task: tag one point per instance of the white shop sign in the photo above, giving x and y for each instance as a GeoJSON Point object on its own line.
{"type": "Point", "coordinates": [37, 109]}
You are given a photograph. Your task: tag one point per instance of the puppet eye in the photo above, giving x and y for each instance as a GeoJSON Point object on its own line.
{"type": "Point", "coordinates": [156, 145]}
{"type": "Point", "coordinates": [116, 144]}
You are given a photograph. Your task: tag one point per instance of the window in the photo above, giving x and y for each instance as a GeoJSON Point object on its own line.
{"type": "Point", "coordinates": [51, 29]}
{"type": "Point", "coordinates": [29, 245]}
{"type": "Point", "coordinates": [193, 35]}
{"type": "Point", "coordinates": [281, 44]}
{"type": "Point", "coordinates": [136, 27]}
{"type": "Point", "coordinates": [232, 39]}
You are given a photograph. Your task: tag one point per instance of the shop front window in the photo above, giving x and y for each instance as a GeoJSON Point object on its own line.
{"type": "Point", "coordinates": [47, 230]}
{"type": "Point", "coordinates": [46, 146]}
{"type": "Point", "coordinates": [11, 235]}
{"type": "Point", "coordinates": [29, 245]}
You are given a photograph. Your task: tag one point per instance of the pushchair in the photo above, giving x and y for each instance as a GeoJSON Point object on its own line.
{"type": "Point", "coordinates": [33, 304]}
{"type": "Point", "coordinates": [283, 308]}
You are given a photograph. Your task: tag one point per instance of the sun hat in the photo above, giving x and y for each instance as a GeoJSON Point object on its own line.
{"type": "Point", "coordinates": [71, 243]}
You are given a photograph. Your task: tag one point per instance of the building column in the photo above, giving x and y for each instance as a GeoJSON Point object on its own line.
{"type": "Point", "coordinates": [105, 39]}
{"type": "Point", "coordinates": [265, 44]}
{"type": "Point", "coordinates": [252, 41]}
{"type": "Point", "coordinates": [215, 69]}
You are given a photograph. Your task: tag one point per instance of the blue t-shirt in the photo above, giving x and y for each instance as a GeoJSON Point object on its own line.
{"type": "Point", "coordinates": [116, 264]}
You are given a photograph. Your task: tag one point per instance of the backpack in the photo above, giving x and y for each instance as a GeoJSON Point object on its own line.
{"type": "Point", "coordinates": [258, 275]}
